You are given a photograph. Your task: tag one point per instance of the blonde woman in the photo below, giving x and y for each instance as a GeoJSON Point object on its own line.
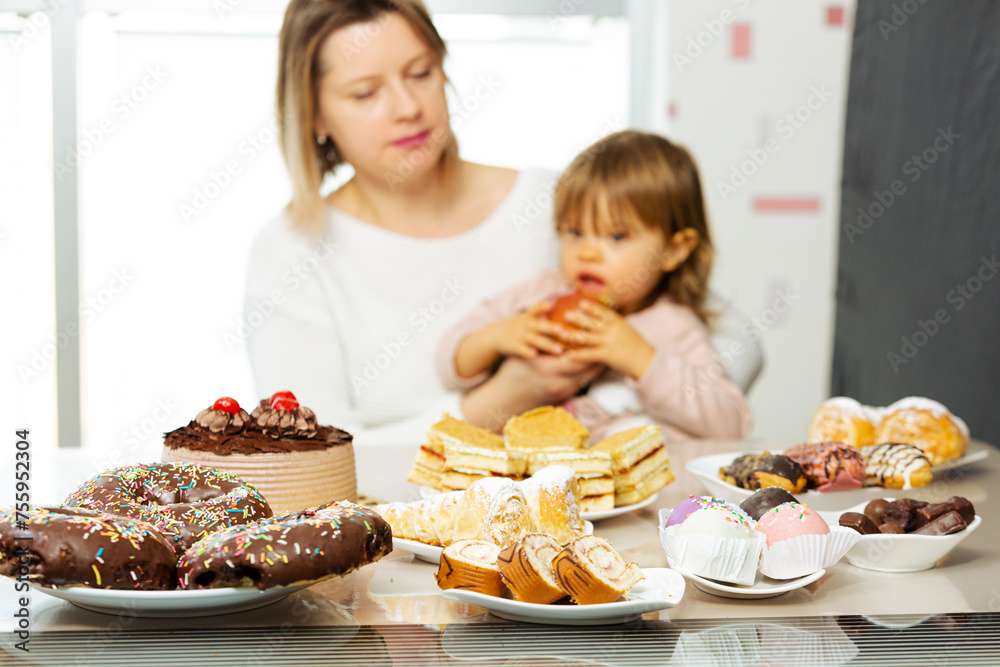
{"type": "Point", "coordinates": [348, 293]}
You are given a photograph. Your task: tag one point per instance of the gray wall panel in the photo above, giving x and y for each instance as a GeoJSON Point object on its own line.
{"type": "Point", "coordinates": [923, 113]}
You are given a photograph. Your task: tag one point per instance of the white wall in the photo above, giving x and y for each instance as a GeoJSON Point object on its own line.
{"type": "Point", "coordinates": [198, 117]}
{"type": "Point", "coordinates": [724, 108]}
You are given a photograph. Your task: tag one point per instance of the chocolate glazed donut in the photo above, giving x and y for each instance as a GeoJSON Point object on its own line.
{"type": "Point", "coordinates": [299, 547]}
{"type": "Point", "coordinates": [57, 547]}
{"type": "Point", "coordinates": [184, 501]}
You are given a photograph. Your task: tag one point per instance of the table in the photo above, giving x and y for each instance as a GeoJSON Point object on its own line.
{"type": "Point", "coordinates": [392, 613]}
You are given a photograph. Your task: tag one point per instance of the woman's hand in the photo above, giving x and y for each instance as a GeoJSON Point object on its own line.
{"type": "Point", "coordinates": [605, 337]}
{"type": "Point", "coordinates": [522, 384]}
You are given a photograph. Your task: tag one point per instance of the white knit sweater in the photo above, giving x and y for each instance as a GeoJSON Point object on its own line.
{"type": "Point", "coordinates": [349, 320]}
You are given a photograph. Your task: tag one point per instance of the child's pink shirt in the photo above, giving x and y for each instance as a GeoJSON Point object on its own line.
{"type": "Point", "coordinates": [684, 389]}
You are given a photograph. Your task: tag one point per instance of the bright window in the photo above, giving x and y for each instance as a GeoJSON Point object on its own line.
{"type": "Point", "coordinates": [182, 169]}
{"type": "Point", "coordinates": [30, 343]}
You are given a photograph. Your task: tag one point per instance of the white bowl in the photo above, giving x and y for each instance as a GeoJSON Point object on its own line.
{"type": "Point", "coordinates": [906, 552]}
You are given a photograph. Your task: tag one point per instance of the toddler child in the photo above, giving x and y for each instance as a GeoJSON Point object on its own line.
{"type": "Point", "coordinates": [635, 240]}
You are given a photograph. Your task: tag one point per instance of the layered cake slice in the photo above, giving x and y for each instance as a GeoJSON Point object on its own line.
{"type": "Point", "coordinates": [429, 464]}
{"type": "Point", "coordinates": [546, 427]}
{"type": "Point", "coordinates": [279, 448]}
{"type": "Point", "coordinates": [466, 463]}
{"type": "Point", "coordinates": [640, 463]}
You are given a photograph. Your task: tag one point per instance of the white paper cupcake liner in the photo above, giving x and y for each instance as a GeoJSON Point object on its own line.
{"type": "Point", "coordinates": [799, 556]}
{"type": "Point", "coordinates": [724, 559]}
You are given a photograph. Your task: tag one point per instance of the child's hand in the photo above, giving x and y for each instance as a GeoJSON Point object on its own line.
{"type": "Point", "coordinates": [527, 334]}
{"type": "Point", "coordinates": [605, 337]}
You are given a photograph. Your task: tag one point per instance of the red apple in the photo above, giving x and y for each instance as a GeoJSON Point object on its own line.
{"type": "Point", "coordinates": [563, 305]}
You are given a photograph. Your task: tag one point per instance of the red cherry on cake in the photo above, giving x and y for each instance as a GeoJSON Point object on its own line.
{"type": "Point", "coordinates": [285, 404]}
{"type": "Point", "coordinates": [226, 404]}
{"type": "Point", "coordinates": [284, 400]}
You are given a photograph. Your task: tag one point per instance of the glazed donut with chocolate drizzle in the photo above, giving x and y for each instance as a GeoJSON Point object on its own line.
{"type": "Point", "coordinates": [75, 547]}
{"type": "Point", "coordinates": [896, 465]}
{"type": "Point", "coordinates": [829, 466]}
{"type": "Point", "coordinates": [183, 501]}
{"type": "Point", "coordinates": [299, 547]}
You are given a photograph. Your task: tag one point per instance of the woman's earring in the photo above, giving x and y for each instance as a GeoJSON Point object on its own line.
{"type": "Point", "coordinates": [321, 139]}
{"type": "Point", "coordinates": [332, 154]}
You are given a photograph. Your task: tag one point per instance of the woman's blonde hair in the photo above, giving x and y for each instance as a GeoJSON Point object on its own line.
{"type": "Point", "coordinates": [306, 25]}
{"type": "Point", "coordinates": [632, 175]}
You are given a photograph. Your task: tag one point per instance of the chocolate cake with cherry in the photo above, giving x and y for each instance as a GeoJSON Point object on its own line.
{"type": "Point", "coordinates": [280, 448]}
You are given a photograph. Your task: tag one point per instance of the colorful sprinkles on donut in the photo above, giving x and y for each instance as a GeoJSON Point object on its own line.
{"type": "Point", "coordinates": [294, 548]}
{"type": "Point", "coordinates": [183, 501]}
{"type": "Point", "coordinates": [74, 547]}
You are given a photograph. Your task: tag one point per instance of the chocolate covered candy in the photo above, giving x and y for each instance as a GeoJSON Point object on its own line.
{"type": "Point", "coordinates": [908, 515]}
{"type": "Point", "coordinates": [765, 499]}
{"type": "Point", "coordinates": [946, 524]}
{"type": "Point", "coordinates": [890, 528]}
{"type": "Point", "coordinates": [901, 512]}
{"type": "Point", "coordinates": [927, 514]}
{"type": "Point", "coordinates": [859, 522]}
{"type": "Point", "coordinates": [874, 509]}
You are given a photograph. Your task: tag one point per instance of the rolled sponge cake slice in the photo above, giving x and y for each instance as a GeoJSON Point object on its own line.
{"type": "Point", "coordinates": [591, 571]}
{"type": "Point", "coordinates": [470, 565]}
{"type": "Point", "coordinates": [526, 568]}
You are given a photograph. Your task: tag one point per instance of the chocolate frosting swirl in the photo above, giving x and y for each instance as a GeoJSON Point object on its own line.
{"type": "Point", "coordinates": [299, 423]}
{"type": "Point", "coordinates": [266, 431]}
{"type": "Point", "coordinates": [220, 421]}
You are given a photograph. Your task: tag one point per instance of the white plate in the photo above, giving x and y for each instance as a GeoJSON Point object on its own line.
{"type": "Point", "coordinates": [661, 589]}
{"type": "Point", "coordinates": [900, 553]}
{"type": "Point", "coordinates": [972, 455]}
{"type": "Point", "coordinates": [597, 515]}
{"type": "Point", "coordinates": [624, 509]}
{"type": "Point", "coordinates": [432, 554]}
{"type": "Point", "coordinates": [706, 470]}
{"type": "Point", "coordinates": [169, 604]}
{"type": "Point", "coordinates": [763, 587]}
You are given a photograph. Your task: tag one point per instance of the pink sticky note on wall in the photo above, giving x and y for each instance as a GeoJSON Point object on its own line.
{"type": "Point", "coordinates": [741, 40]}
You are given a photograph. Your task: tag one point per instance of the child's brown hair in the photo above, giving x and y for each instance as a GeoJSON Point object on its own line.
{"type": "Point", "coordinates": [632, 175]}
